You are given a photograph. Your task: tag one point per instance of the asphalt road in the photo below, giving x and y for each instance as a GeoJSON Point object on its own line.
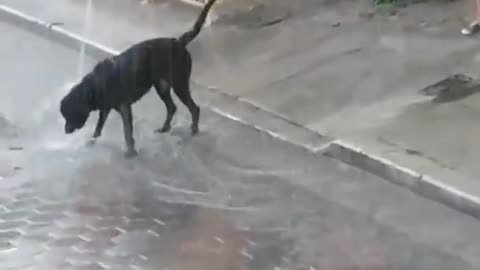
{"type": "Point", "coordinates": [229, 198]}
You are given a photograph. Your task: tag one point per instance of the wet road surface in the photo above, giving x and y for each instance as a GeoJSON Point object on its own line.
{"type": "Point", "coordinates": [229, 198]}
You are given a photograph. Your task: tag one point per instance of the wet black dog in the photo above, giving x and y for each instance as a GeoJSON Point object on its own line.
{"type": "Point", "coordinates": [118, 82]}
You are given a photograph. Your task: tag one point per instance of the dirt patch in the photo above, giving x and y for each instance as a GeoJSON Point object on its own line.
{"type": "Point", "coordinates": [262, 13]}
{"type": "Point", "coordinates": [254, 16]}
{"type": "Point", "coordinates": [453, 88]}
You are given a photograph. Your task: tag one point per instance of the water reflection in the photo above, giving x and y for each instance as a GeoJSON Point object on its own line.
{"type": "Point", "coordinates": [190, 206]}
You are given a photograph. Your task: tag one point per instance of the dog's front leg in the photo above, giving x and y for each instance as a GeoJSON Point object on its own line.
{"type": "Point", "coordinates": [102, 117]}
{"type": "Point", "coordinates": [127, 119]}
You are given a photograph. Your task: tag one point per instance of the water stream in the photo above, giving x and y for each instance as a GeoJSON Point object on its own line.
{"type": "Point", "coordinates": [87, 22]}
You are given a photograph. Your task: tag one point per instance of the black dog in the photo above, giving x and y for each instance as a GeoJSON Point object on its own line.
{"type": "Point", "coordinates": [120, 81]}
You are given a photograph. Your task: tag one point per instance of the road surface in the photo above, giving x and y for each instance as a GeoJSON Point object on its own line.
{"type": "Point", "coordinates": [229, 198]}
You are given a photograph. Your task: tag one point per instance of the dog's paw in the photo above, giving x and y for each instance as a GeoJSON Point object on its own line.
{"type": "Point", "coordinates": [91, 142]}
{"type": "Point", "coordinates": [194, 130]}
{"type": "Point", "coordinates": [164, 129]}
{"type": "Point", "coordinates": [130, 153]}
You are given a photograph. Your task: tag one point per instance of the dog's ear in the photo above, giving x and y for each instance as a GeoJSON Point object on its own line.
{"type": "Point", "coordinates": [75, 117]}
{"type": "Point", "coordinates": [76, 102]}
{"type": "Point", "coordinates": [81, 113]}
{"type": "Point", "coordinates": [83, 110]}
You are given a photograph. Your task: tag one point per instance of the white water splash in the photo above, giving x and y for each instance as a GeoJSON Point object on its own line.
{"type": "Point", "coordinates": [47, 108]}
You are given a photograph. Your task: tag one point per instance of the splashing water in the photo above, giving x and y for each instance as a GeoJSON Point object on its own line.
{"type": "Point", "coordinates": [85, 32]}
{"type": "Point", "coordinates": [51, 141]}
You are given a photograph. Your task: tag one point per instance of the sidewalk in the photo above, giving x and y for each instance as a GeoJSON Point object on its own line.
{"type": "Point", "coordinates": [229, 198]}
{"type": "Point", "coordinates": [339, 73]}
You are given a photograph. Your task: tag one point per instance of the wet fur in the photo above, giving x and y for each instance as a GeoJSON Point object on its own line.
{"type": "Point", "coordinates": [118, 82]}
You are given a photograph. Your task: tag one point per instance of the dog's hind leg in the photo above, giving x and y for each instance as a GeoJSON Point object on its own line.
{"type": "Point", "coordinates": [163, 90]}
{"type": "Point", "coordinates": [182, 90]}
{"type": "Point", "coordinates": [180, 79]}
{"type": "Point", "coordinates": [127, 119]}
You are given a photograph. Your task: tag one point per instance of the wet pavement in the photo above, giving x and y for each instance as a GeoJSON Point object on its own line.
{"type": "Point", "coordinates": [384, 59]}
{"type": "Point", "coordinates": [229, 198]}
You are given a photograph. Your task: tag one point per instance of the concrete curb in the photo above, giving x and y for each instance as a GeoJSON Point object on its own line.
{"type": "Point", "coordinates": [192, 3]}
{"type": "Point", "coordinates": [54, 32]}
{"type": "Point", "coordinates": [423, 185]}
{"type": "Point", "coordinates": [196, 3]}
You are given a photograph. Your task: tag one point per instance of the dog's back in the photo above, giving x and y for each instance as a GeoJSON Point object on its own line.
{"type": "Point", "coordinates": [128, 76]}
{"type": "Point", "coordinates": [125, 78]}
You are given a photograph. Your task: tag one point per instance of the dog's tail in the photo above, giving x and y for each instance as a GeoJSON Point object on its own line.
{"type": "Point", "coordinates": [188, 36]}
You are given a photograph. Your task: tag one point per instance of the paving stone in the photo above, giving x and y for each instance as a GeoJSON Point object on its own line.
{"type": "Point", "coordinates": [38, 236]}
{"type": "Point", "coordinates": [63, 232]}
{"type": "Point", "coordinates": [46, 217]}
{"type": "Point", "coordinates": [15, 215]}
{"type": "Point", "coordinates": [121, 261]}
{"type": "Point", "coordinates": [145, 225]}
{"type": "Point", "coordinates": [25, 195]}
{"type": "Point", "coordinates": [104, 234]}
{"type": "Point", "coordinates": [9, 235]}
{"type": "Point", "coordinates": [5, 245]}
{"type": "Point", "coordinates": [81, 259]}
{"type": "Point", "coordinates": [51, 207]}
{"type": "Point", "coordinates": [65, 242]}
{"type": "Point", "coordinates": [107, 222]}
{"type": "Point", "coordinates": [22, 204]}
{"type": "Point", "coordinates": [86, 248]}
{"type": "Point", "coordinates": [94, 266]}
{"type": "Point", "coordinates": [12, 225]}
{"type": "Point", "coordinates": [87, 210]}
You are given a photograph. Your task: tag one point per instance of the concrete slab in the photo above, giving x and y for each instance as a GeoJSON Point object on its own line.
{"type": "Point", "coordinates": [405, 220]}
{"type": "Point", "coordinates": [231, 191]}
{"type": "Point", "coordinates": [435, 139]}
{"type": "Point", "coordinates": [381, 58]}
{"type": "Point", "coordinates": [112, 18]}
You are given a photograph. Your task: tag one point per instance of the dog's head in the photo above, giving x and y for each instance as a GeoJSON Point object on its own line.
{"type": "Point", "coordinates": [75, 109]}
